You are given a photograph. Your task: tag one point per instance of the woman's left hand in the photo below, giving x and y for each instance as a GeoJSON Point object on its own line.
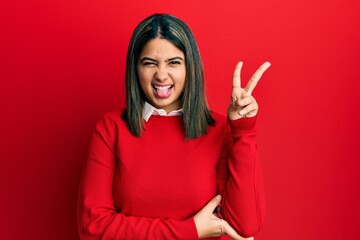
{"type": "Point", "coordinates": [242, 103]}
{"type": "Point", "coordinates": [208, 224]}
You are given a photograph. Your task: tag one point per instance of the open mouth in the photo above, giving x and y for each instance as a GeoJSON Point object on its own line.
{"type": "Point", "coordinates": [163, 91]}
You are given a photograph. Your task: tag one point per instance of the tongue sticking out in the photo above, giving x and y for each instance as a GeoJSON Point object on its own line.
{"type": "Point", "coordinates": [163, 92]}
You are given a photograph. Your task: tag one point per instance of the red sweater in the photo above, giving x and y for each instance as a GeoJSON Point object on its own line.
{"type": "Point", "coordinates": [151, 187]}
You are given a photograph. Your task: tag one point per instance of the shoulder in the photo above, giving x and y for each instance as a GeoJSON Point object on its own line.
{"type": "Point", "coordinates": [114, 115]}
{"type": "Point", "coordinates": [110, 126]}
{"type": "Point", "coordinates": [111, 120]}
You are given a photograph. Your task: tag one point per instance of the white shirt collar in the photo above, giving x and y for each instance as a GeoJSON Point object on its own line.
{"type": "Point", "coordinates": [149, 110]}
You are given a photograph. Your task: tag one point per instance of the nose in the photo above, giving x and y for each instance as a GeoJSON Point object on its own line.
{"type": "Point", "coordinates": [161, 73]}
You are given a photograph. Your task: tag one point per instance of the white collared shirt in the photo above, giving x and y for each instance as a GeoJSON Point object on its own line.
{"type": "Point", "coordinates": [151, 110]}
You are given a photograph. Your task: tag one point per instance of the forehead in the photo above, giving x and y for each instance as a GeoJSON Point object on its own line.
{"type": "Point", "coordinates": [160, 48]}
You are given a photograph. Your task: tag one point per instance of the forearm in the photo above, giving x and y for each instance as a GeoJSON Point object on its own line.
{"type": "Point", "coordinates": [243, 204]}
{"type": "Point", "coordinates": [111, 225]}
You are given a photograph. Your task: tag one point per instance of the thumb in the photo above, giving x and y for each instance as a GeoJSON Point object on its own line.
{"type": "Point", "coordinates": [212, 204]}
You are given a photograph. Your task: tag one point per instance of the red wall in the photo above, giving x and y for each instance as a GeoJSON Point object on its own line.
{"type": "Point", "coordinates": [62, 67]}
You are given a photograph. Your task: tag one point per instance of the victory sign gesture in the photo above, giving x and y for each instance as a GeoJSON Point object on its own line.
{"type": "Point", "coordinates": [242, 103]}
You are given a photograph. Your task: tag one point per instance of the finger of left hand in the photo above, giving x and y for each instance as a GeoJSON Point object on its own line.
{"type": "Point", "coordinates": [250, 110]}
{"type": "Point", "coordinates": [246, 101]}
{"type": "Point", "coordinates": [250, 86]}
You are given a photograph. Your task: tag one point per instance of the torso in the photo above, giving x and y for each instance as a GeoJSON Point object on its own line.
{"type": "Point", "coordinates": [163, 175]}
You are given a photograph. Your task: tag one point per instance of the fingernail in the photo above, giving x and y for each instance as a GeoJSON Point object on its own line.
{"type": "Point", "coordinates": [241, 113]}
{"type": "Point", "coordinates": [218, 197]}
{"type": "Point", "coordinates": [267, 64]}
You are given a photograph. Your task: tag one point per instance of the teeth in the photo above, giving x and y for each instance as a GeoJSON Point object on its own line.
{"type": "Point", "coordinates": [162, 87]}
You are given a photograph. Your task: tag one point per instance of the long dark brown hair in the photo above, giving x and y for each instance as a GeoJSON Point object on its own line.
{"type": "Point", "coordinates": [196, 113]}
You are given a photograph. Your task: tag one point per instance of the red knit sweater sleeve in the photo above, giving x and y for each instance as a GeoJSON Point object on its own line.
{"type": "Point", "coordinates": [97, 216]}
{"type": "Point", "coordinates": [240, 179]}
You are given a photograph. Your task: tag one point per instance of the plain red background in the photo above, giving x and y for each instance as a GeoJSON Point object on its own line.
{"type": "Point", "coordinates": [62, 67]}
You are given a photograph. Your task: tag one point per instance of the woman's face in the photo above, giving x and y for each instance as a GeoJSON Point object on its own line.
{"type": "Point", "coordinates": [162, 72]}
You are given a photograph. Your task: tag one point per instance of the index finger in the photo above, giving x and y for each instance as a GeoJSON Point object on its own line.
{"type": "Point", "coordinates": [212, 204]}
{"type": "Point", "coordinates": [250, 86]}
{"type": "Point", "coordinates": [236, 75]}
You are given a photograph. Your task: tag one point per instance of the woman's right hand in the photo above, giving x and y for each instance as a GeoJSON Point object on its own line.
{"type": "Point", "coordinates": [209, 225]}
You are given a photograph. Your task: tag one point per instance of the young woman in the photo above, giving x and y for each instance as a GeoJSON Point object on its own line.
{"type": "Point", "coordinates": [167, 167]}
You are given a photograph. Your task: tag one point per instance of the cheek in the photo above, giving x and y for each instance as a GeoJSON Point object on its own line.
{"type": "Point", "coordinates": [179, 76]}
{"type": "Point", "coordinates": [144, 78]}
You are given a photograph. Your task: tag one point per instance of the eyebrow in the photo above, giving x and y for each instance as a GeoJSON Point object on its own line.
{"type": "Point", "coordinates": [174, 58]}
{"type": "Point", "coordinates": [168, 60]}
